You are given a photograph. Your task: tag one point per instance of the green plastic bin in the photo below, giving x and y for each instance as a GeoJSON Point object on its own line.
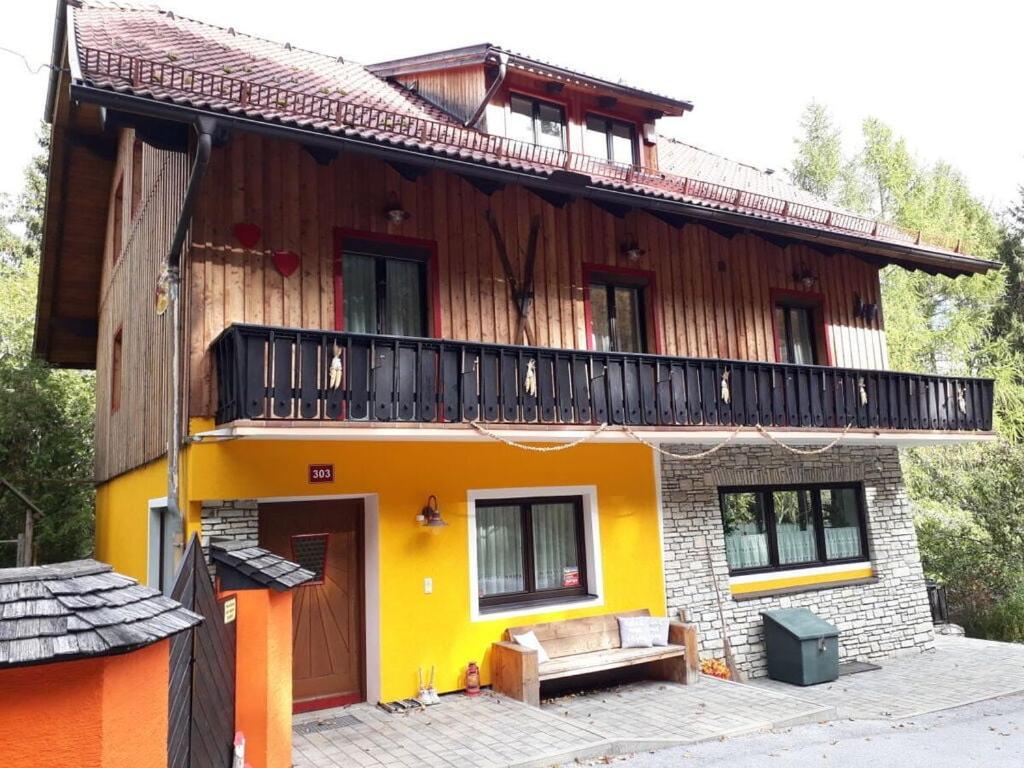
{"type": "Point", "coordinates": [803, 648]}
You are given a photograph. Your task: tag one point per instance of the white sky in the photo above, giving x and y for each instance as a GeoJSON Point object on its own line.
{"type": "Point", "coordinates": [946, 75]}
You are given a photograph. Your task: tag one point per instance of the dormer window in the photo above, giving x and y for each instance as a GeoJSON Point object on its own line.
{"type": "Point", "coordinates": [536, 122]}
{"type": "Point", "coordinates": [609, 139]}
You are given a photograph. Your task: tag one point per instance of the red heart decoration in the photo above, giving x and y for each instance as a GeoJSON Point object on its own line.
{"type": "Point", "coordinates": [286, 262]}
{"type": "Point", "coordinates": [247, 234]}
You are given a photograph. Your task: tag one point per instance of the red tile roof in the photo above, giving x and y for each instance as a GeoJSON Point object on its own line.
{"type": "Point", "coordinates": [153, 53]}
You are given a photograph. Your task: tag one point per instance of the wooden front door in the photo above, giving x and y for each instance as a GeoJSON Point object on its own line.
{"type": "Point", "coordinates": [327, 613]}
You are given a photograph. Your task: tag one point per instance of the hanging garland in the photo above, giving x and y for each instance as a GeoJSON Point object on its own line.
{"type": "Point", "coordinates": [654, 446]}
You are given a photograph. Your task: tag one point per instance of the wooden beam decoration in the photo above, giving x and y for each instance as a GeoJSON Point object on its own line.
{"type": "Point", "coordinates": [778, 242]}
{"type": "Point", "coordinates": [522, 293]}
{"type": "Point", "coordinates": [672, 219]}
{"type": "Point", "coordinates": [554, 87]}
{"type": "Point", "coordinates": [617, 210]}
{"type": "Point", "coordinates": [607, 102]}
{"type": "Point", "coordinates": [408, 171]}
{"type": "Point", "coordinates": [556, 199]}
{"type": "Point", "coordinates": [480, 184]}
{"type": "Point", "coordinates": [722, 230]}
{"type": "Point", "coordinates": [322, 155]}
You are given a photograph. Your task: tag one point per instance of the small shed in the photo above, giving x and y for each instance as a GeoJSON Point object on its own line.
{"type": "Point", "coordinates": [261, 582]}
{"type": "Point", "coordinates": [84, 667]}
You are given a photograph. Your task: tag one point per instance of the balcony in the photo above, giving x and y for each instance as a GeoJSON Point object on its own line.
{"type": "Point", "coordinates": [284, 374]}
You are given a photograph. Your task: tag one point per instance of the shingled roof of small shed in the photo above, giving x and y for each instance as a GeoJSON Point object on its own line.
{"type": "Point", "coordinates": [261, 565]}
{"type": "Point", "coordinates": [80, 609]}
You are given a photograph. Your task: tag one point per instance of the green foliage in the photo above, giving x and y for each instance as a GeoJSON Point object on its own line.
{"type": "Point", "coordinates": [969, 508]}
{"type": "Point", "coordinates": [46, 415]}
{"type": "Point", "coordinates": [818, 163]}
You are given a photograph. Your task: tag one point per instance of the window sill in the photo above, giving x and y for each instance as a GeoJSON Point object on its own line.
{"type": "Point", "coordinates": [795, 590]}
{"type": "Point", "coordinates": [528, 607]}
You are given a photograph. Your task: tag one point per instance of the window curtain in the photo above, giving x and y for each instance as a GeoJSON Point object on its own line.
{"type": "Point", "coordinates": [358, 274]}
{"type": "Point", "coordinates": [499, 550]}
{"type": "Point", "coordinates": [746, 539]}
{"type": "Point", "coordinates": [842, 528]}
{"type": "Point", "coordinates": [554, 544]}
{"type": "Point", "coordinates": [404, 298]}
{"type": "Point", "coordinates": [794, 527]}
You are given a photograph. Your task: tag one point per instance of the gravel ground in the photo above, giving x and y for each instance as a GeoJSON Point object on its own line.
{"type": "Point", "coordinates": [989, 733]}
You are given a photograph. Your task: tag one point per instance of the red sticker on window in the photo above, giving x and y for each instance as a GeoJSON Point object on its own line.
{"type": "Point", "coordinates": [570, 577]}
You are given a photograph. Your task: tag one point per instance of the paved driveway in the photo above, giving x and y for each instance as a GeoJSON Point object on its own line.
{"type": "Point", "coordinates": [490, 730]}
{"type": "Point", "coordinates": [959, 671]}
{"type": "Point", "coordinates": [989, 734]}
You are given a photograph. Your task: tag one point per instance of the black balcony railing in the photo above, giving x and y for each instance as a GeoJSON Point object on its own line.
{"type": "Point", "coordinates": [283, 373]}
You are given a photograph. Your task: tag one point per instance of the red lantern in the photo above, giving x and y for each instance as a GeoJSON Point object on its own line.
{"type": "Point", "coordinates": [472, 679]}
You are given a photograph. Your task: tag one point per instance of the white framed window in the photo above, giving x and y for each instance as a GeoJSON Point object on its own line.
{"type": "Point", "coordinates": [533, 550]}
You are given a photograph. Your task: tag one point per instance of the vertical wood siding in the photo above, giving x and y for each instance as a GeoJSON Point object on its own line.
{"type": "Point", "coordinates": [137, 432]}
{"type": "Point", "coordinates": [458, 91]}
{"type": "Point", "coordinates": [712, 299]}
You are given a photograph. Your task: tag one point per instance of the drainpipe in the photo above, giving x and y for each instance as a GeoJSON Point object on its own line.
{"type": "Point", "coordinates": [502, 71]}
{"type": "Point", "coordinates": [202, 159]}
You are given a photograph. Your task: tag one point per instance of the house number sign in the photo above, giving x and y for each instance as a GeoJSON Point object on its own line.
{"type": "Point", "coordinates": [321, 473]}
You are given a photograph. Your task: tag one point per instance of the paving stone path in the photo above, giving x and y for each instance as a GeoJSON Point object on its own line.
{"type": "Point", "coordinates": [491, 730]}
{"type": "Point", "coordinates": [959, 671]}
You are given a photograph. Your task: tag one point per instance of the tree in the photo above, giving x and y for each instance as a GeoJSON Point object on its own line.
{"type": "Point", "coordinates": [818, 163]}
{"type": "Point", "coordinates": [968, 509]}
{"type": "Point", "coordinates": [46, 415]}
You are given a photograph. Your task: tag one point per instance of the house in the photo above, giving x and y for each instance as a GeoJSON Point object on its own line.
{"type": "Point", "coordinates": [444, 327]}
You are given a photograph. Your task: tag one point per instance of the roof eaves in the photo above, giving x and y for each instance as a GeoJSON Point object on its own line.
{"type": "Point", "coordinates": [557, 71]}
{"type": "Point", "coordinates": [428, 62]}
{"type": "Point", "coordinates": [468, 162]}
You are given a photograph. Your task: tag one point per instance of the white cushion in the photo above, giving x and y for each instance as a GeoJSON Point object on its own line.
{"type": "Point", "coordinates": [659, 630]}
{"type": "Point", "coordinates": [635, 631]}
{"type": "Point", "coordinates": [529, 640]}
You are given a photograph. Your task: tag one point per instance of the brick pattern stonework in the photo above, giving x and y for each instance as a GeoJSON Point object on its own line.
{"type": "Point", "coordinates": [235, 520]}
{"type": "Point", "coordinates": [875, 620]}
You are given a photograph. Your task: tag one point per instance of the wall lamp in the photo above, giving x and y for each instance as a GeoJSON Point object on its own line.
{"type": "Point", "coordinates": [631, 249]}
{"type": "Point", "coordinates": [430, 515]}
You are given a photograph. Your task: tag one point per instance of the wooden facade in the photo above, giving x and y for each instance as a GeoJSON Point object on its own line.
{"type": "Point", "coordinates": [709, 295]}
{"type": "Point", "coordinates": [152, 184]}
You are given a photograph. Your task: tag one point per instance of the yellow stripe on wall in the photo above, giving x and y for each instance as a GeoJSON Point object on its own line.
{"type": "Point", "coordinates": [772, 581]}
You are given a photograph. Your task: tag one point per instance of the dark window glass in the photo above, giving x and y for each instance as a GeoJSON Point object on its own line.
{"type": "Point", "coordinates": [530, 550]}
{"type": "Point", "coordinates": [609, 139]}
{"type": "Point", "coordinates": [617, 317]}
{"type": "Point", "coordinates": [383, 294]}
{"type": "Point", "coordinates": [796, 334]}
{"type": "Point", "coordinates": [536, 122]}
{"type": "Point", "coordinates": [116, 353]}
{"type": "Point", "coordinates": [788, 527]}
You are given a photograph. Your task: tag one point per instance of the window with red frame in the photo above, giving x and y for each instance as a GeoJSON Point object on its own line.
{"type": "Point", "coordinates": [799, 332]}
{"type": "Point", "coordinates": [617, 312]}
{"type": "Point", "coordinates": [118, 225]}
{"type": "Point", "coordinates": [115, 372]}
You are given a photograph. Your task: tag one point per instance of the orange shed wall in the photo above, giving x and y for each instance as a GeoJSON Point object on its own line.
{"type": "Point", "coordinates": [263, 687]}
{"type": "Point", "coordinates": [108, 712]}
{"type": "Point", "coordinates": [135, 708]}
{"type": "Point", "coordinates": [50, 715]}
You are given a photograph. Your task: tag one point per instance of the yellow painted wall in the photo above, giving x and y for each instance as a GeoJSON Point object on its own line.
{"type": "Point", "coordinates": [122, 518]}
{"type": "Point", "coordinates": [419, 629]}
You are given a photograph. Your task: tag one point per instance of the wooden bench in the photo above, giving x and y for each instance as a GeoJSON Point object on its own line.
{"type": "Point", "coordinates": [581, 646]}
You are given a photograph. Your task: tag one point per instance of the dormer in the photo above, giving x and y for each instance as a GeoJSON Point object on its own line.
{"type": "Point", "coordinates": [511, 95]}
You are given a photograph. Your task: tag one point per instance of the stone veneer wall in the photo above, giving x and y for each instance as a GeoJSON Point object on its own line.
{"type": "Point", "coordinates": [875, 620]}
{"type": "Point", "coordinates": [235, 520]}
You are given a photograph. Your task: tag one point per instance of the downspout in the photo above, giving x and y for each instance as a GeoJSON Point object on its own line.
{"type": "Point", "coordinates": [202, 159]}
{"type": "Point", "coordinates": [502, 71]}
